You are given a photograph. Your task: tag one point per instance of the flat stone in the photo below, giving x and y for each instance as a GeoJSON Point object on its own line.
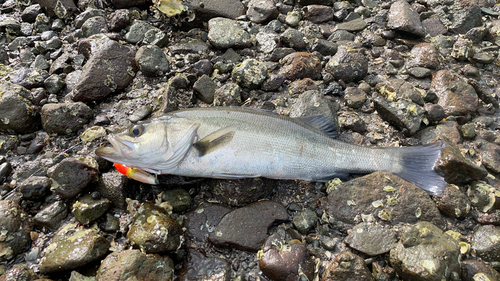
{"type": "Point", "coordinates": [87, 209]}
{"type": "Point", "coordinates": [408, 120]}
{"type": "Point", "coordinates": [246, 228]}
{"type": "Point", "coordinates": [352, 26]}
{"type": "Point", "coordinates": [51, 215]}
{"type": "Point", "coordinates": [318, 13]}
{"type": "Point", "coordinates": [371, 238]}
{"type": "Point", "coordinates": [261, 11]}
{"type": "Point", "coordinates": [434, 26]}
{"type": "Point", "coordinates": [202, 220]}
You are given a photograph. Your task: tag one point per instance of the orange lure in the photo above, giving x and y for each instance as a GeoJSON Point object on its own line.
{"type": "Point", "coordinates": [136, 174]}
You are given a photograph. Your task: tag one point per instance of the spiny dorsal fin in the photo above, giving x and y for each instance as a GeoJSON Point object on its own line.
{"type": "Point", "coordinates": [215, 140]}
{"type": "Point", "coordinates": [324, 124]}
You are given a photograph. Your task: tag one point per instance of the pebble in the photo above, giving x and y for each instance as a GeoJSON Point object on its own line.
{"type": "Point", "coordinates": [226, 33]}
{"type": "Point", "coordinates": [65, 118]}
{"type": "Point", "coordinates": [51, 215]}
{"type": "Point", "coordinates": [403, 18]}
{"type": "Point", "coordinates": [95, 25]}
{"type": "Point", "coordinates": [71, 176]}
{"type": "Point", "coordinates": [347, 266]}
{"type": "Point", "coordinates": [477, 269]}
{"type": "Point", "coordinates": [453, 202]}
{"type": "Point", "coordinates": [318, 13]}
{"type": "Point", "coordinates": [152, 61]}
{"type": "Point", "coordinates": [179, 199]}
{"type": "Point", "coordinates": [455, 95]}
{"type": "Point", "coordinates": [87, 209]}
{"type": "Point", "coordinates": [489, 156]}
{"type": "Point", "coordinates": [246, 228]}
{"type": "Point", "coordinates": [354, 97]}
{"type": "Point", "coordinates": [16, 113]}
{"type": "Point", "coordinates": [261, 11]}
{"type": "Point", "coordinates": [204, 88]}
{"type": "Point", "coordinates": [304, 220]}
{"type": "Point", "coordinates": [347, 65]}
{"type": "Point", "coordinates": [35, 188]}
{"type": "Point", "coordinates": [295, 39]}
{"type": "Point", "coordinates": [113, 185]}
{"type": "Point", "coordinates": [371, 238]}
{"type": "Point", "coordinates": [230, 93]}
{"type": "Point", "coordinates": [357, 24]}
{"type": "Point", "coordinates": [16, 227]}
{"type": "Point", "coordinates": [409, 122]}
{"type": "Point", "coordinates": [202, 220]}
{"type": "Point", "coordinates": [251, 73]}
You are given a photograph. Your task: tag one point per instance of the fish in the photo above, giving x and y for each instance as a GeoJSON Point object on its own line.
{"type": "Point", "coordinates": [242, 142]}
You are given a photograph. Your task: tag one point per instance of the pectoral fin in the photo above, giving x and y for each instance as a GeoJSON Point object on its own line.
{"type": "Point", "coordinates": [324, 124]}
{"type": "Point", "coordinates": [215, 140]}
{"type": "Point", "coordinates": [177, 152]}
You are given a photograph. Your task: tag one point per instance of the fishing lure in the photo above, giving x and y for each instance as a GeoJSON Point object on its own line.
{"type": "Point", "coordinates": [136, 174]}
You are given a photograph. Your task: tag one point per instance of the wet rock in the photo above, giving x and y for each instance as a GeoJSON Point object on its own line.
{"type": "Point", "coordinates": [5, 169]}
{"type": "Point", "coordinates": [293, 18]}
{"type": "Point", "coordinates": [52, 215]}
{"type": "Point", "coordinates": [87, 209]}
{"type": "Point", "coordinates": [72, 247]}
{"type": "Point", "coordinates": [295, 39]}
{"type": "Point", "coordinates": [483, 92]}
{"type": "Point", "coordinates": [229, 94]}
{"type": "Point", "coordinates": [153, 230]}
{"type": "Point", "coordinates": [425, 253]}
{"type": "Point", "coordinates": [465, 17]}
{"type": "Point", "coordinates": [251, 73]}
{"type": "Point", "coordinates": [201, 267]}
{"type": "Point", "coordinates": [35, 188]}
{"type": "Point", "coordinates": [424, 55]}
{"type": "Point", "coordinates": [354, 97]}
{"type": "Point", "coordinates": [28, 77]}
{"type": "Point", "coordinates": [30, 169]}
{"type": "Point", "coordinates": [371, 238]}
{"type": "Point", "coordinates": [490, 156]}
{"type": "Point", "coordinates": [273, 83]}
{"type": "Point", "coordinates": [204, 88]}
{"type": "Point", "coordinates": [482, 196]}
{"type": "Point", "coordinates": [152, 61]}
{"type": "Point", "coordinates": [95, 25]}
{"type": "Point", "coordinates": [119, 19]}
{"type": "Point", "coordinates": [61, 9]}
{"type": "Point", "coordinates": [71, 176]}
{"type": "Point", "coordinates": [179, 199]}
{"type": "Point", "coordinates": [406, 116]}
{"type": "Point", "coordinates": [301, 65]}
{"type": "Point", "coordinates": [352, 122]}
{"type": "Point", "coordinates": [304, 220]}
{"type": "Point", "coordinates": [246, 228]}
{"type": "Point", "coordinates": [65, 118]}
{"type": "Point", "coordinates": [261, 11]}
{"type": "Point", "coordinates": [352, 26]}
{"type": "Point", "coordinates": [455, 95]}
{"type": "Point", "coordinates": [134, 264]}
{"type": "Point", "coordinates": [19, 272]}
{"type": "Point", "coordinates": [16, 225]}
{"type": "Point", "coordinates": [456, 168]}
{"type": "Point", "coordinates": [202, 220]}
{"type": "Point", "coordinates": [324, 47]}
{"type": "Point", "coordinates": [267, 41]}
{"type": "Point", "coordinates": [318, 13]}
{"type": "Point", "coordinates": [16, 112]}
{"type": "Point", "coordinates": [403, 18]}
{"type": "Point", "coordinates": [120, 4]}
{"type": "Point", "coordinates": [109, 69]}
{"type": "Point", "coordinates": [226, 33]}
{"type": "Point", "coordinates": [113, 186]}
{"type": "Point", "coordinates": [486, 243]}
{"type": "Point", "coordinates": [54, 83]}
{"type": "Point", "coordinates": [139, 30]}
{"type": "Point", "coordinates": [242, 191]}
{"type": "Point", "coordinates": [468, 131]}
{"type": "Point", "coordinates": [462, 49]}
{"type": "Point", "coordinates": [453, 202]}
{"type": "Point", "coordinates": [347, 65]}
{"type": "Point", "coordinates": [476, 269]}
{"type": "Point", "coordinates": [285, 262]}
{"type": "Point", "coordinates": [405, 203]}
{"type": "Point", "coordinates": [347, 266]}
{"type": "Point", "coordinates": [446, 129]}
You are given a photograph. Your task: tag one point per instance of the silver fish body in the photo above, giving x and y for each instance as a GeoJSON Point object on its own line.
{"type": "Point", "coordinates": [231, 143]}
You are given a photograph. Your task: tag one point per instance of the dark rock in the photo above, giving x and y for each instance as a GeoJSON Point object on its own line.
{"type": "Point", "coordinates": [434, 27]}
{"type": "Point", "coordinates": [189, 45]}
{"type": "Point", "coordinates": [464, 18]}
{"type": "Point", "coordinates": [202, 67]}
{"type": "Point", "coordinates": [246, 228]}
{"type": "Point", "coordinates": [251, 73]}
{"type": "Point", "coordinates": [457, 169]}
{"type": "Point", "coordinates": [472, 268]}
{"type": "Point", "coordinates": [324, 47]}
{"type": "Point", "coordinates": [373, 38]}
{"type": "Point", "coordinates": [204, 88]}
{"type": "Point", "coordinates": [493, 32]}
{"type": "Point", "coordinates": [406, 203]}
{"type": "Point", "coordinates": [29, 78]}
{"type": "Point", "coordinates": [72, 247]}
{"type": "Point", "coordinates": [208, 9]}
{"type": "Point", "coordinates": [236, 192]}
{"type": "Point", "coordinates": [486, 244]}
{"type": "Point", "coordinates": [119, 19]}
{"type": "Point", "coordinates": [86, 15]}
{"type": "Point", "coordinates": [35, 188]}
{"type": "Point", "coordinates": [420, 72]}
{"type": "Point", "coordinates": [30, 169]}
{"type": "Point", "coordinates": [301, 65]}
{"type": "Point", "coordinates": [113, 186]}
{"type": "Point", "coordinates": [403, 18]}
{"type": "Point", "coordinates": [295, 39]}
{"type": "Point", "coordinates": [312, 103]}
{"type": "Point", "coordinates": [424, 251]}
{"type": "Point", "coordinates": [353, 25]}
{"type": "Point", "coordinates": [179, 199]}
{"type": "Point", "coordinates": [354, 97]}
{"type": "Point", "coordinates": [347, 65]}
{"type": "Point", "coordinates": [226, 33]}
{"type": "Point", "coordinates": [54, 83]}
{"type": "Point", "coordinates": [476, 34]}
{"type": "Point", "coordinates": [109, 69]}
{"type": "Point", "coordinates": [60, 65]}
{"type": "Point", "coordinates": [5, 169]}
{"type": "Point", "coordinates": [453, 202]}
{"type": "Point", "coordinates": [304, 220]}
{"type": "Point", "coordinates": [153, 230]}
{"type": "Point", "coordinates": [424, 55]}
{"type": "Point", "coordinates": [52, 215]}
{"type": "Point", "coordinates": [483, 92]}
{"type": "Point", "coordinates": [65, 118]}
{"type": "Point", "coordinates": [71, 176]}
{"type": "Point", "coordinates": [446, 129]}
{"type": "Point", "coordinates": [29, 14]}
{"type": "Point", "coordinates": [59, 8]}
{"type": "Point", "coordinates": [347, 266]}
{"type": "Point", "coordinates": [463, 49]}
{"type": "Point", "coordinates": [371, 238]}
{"type": "Point", "coordinates": [352, 122]}
{"type": "Point", "coordinates": [123, 4]}
{"type": "Point", "coordinates": [152, 61]}
{"type": "Point", "coordinates": [16, 226]}
{"type": "Point", "coordinates": [87, 209]}
{"type": "Point", "coordinates": [318, 13]}
{"type": "Point", "coordinates": [490, 156]}
{"type": "Point", "coordinates": [19, 272]}
{"type": "Point", "coordinates": [455, 95]}
{"type": "Point", "coordinates": [202, 220]}
{"type": "Point", "coordinates": [201, 267]}
{"type": "Point", "coordinates": [285, 262]}
{"type": "Point", "coordinates": [279, 53]}
{"type": "Point", "coordinates": [410, 120]}
{"type": "Point", "coordinates": [138, 31]}
{"type": "Point", "coordinates": [481, 196]}
{"type": "Point", "coordinates": [261, 11]}
{"type": "Point", "coordinates": [95, 25]}
{"type": "Point", "coordinates": [273, 83]}
{"type": "Point", "coordinates": [16, 112]}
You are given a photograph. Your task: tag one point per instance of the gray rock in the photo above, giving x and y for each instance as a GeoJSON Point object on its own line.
{"type": "Point", "coordinates": [371, 238]}
{"type": "Point", "coordinates": [279, 53]}
{"type": "Point", "coordinates": [425, 252]}
{"type": "Point", "coordinates": [19, 272]}
{"type": "Point", "coordinates": [304, 220]}
{"type": "Point", "coordinates": [312, 103]}
{"type": "Point", "coordinates": [30, 169]}
{"type": "Point", "coordinates": [464, 18]}
{"type": "Point", "coordinates": [113, 186]}
{"type": "Point", "coordinates": [229, 94]}
{"type": "Point", "coordinates": [261, 11]}
{"type": "Point", "coordinates": [156, 37]}
{"type": "Point", "coordinates": [424, 55]}
{"type": "Point", "coordinates": [493, 32]}
{"type": "Point", "coordinates": [273, 83]}
{"type": "Point", "coordinates": [29, 14]}
{"type": "Point", "coordinates": [40, 62]}
{"type": "Point", "coordinates": [208, 9]}
{"type": "Point", "coordinates": [119, 19]}
{"type": "Point", "coordinates": [71, 176]}
{"type": "Point", "coordinates": [353, 25]}
{"type": "Point", "coordinates": [72, 247]}
{"type": "Point", "coordinates": [341, 35]}
{"type": "Point", "coordinates": [354, 97]}
{"type": "Point", "coordinates": [462, 49]}
{"type": "Point", "coordinates": [403, 18]}
{"type": "Point", "coordinates": [420, 72]}
{"type": "Point", "coordinates": [65, 118]}
{"type": "Point", "coordinates": [347, 65]}
{"type": "Point", "coordinates": [110, 68]}
{"type": "Point", "coordinates": [87, 209]}
{"type": "Point", "coordinates": [138, 31]}
{"type": "Point", "coordinates": [477, 34]}
{"type": "Point", "coordinates": [59, 8]}
{"type": "Point", "coordinates": [226, 33]}
{"type": "Point", "coordinates": [28, 77]}
{"type": "Point", "coordinates": [455, 95]}
{"type": "Point", "coordinates": [267, 41]}
{"type": "Point", "coordinates": [5, 169]}
{"type": "Point", "coordinates": [434, 27]}
{"type": "Point", "coordinates": [294, 39]}
{"type": "Point", "coordinates": [490, 153]}
{"type": "Point", "coordinates": [10, 26]}
{"type": "Point", "coordinates": [348, 267]}
{"type": "Point", "coordinates": [54, 83]}
{"type": "Point", "coordinates": [52, 215]}
{"type": "Point", "coordinates": [251, 73]}
{"type": "Point", "coordinates": [200, 267]}
{"type": "Point", "coordinates": [134, 264]}
{"type": "Point", "coordinates": [205, 67]}
{"type": "Point", "coordinates": [189, 45]}
{"type": "Point", "coordinates": [246, 228]}
{"type": "Point", "coordinates": [152, 61]}
{"type": "Point", "coordinates": [293, 18]}
{"type": "Point", "coordinates": [16, 113]}
{"type": "Point", "coordinates": [35, 188]}
{"type": "Point", "coordinates": [318, 13]}
{"type": "Point", "coordinates": [324, 47]}
{"type": "Point", "coordinates": [204, 88]}
{"type": "Point", "coordinates": [87, 14]}
{"type": "Point", "coordinates": [153, 230]}
{"type": "Point", "coordinates": [95, 25]}
{"type": "Point", "coordinates": [406, 116]}
{"type": "Point", "coordinates": [16, 226]}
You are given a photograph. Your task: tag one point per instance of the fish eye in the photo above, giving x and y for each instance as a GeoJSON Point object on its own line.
{"type": "Point", "coordinates": [137, 130]}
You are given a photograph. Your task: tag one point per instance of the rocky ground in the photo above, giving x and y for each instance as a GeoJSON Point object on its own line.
{"type": "Point", "coordinates": [392, 73]}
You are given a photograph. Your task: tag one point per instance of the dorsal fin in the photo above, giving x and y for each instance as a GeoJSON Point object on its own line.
{"type": "Point", "coordinates": [215, 140]}
{"type": "Point", "coordinates": [324, 124]}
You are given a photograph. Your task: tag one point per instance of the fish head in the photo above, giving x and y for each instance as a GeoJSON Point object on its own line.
{"type": "Point", "coordinates": [141, 145]}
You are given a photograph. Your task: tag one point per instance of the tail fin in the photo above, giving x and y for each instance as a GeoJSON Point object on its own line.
{"type": "Point", "coordinates": [417, 166]}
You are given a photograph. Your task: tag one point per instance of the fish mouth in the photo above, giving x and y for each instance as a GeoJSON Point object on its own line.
{"type": "Point", "coordinates": [119, 149]}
